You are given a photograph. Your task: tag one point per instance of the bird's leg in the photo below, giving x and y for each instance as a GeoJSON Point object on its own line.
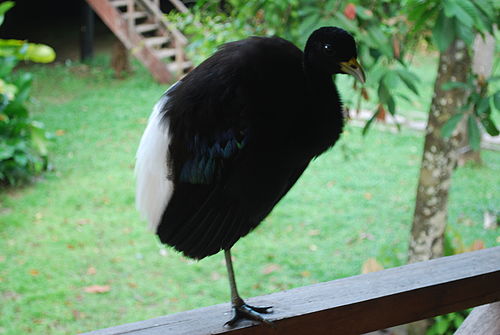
{"type": "Point", "coordinates": [241, 310]}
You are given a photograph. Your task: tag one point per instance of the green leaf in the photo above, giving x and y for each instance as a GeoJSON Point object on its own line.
{"type": "Point", "coordinates": [450, 125]}
{"type": "Point", "coordinates": [469, 8]}
{"type": "Point", "coordinates": [383, 93]}
{"type": "Point", "coordinates": [409, 79]}
{"type": "Point", "coordinates": [421, 14]}
{"type": "Point", "coordinates": [465, 33]}
{"type": "Point", "coordinates": [40, 53]}
{"type": "Point", "coordinates": [496, 100]}
{"type": "Point", "coordinates": [21, 159]}
{"type": "Point", "coordinates": [368, 123]}
{"type": "Point", "coordinates": [452, 9]}
{"type": "Point", "coordinates": [458, 320]}
{"type": "Point", "coordinates": [391, 105]}
{"type": "Point", "coordinates": [442, 325]}
{"type": "Point", "coordinates": [391, 79]}
{"type": "Point", "coordinates": [6, 151]}
{"type": "Point", "coordinates": [4, 7]}
{"type": "Point", "coordinates": [443, 32]}
{"type": "Point", "coordinates": [380, 40]}
{"type": "Point", "coordinates": [39, 138]}
{"type": "Point", "coordinates": [451, 85]}
{"type": "Point", "coordinates": [489, 126]}
{"type": "Point", "coordinates": [474, 133]}
{"type": "Point", "coordinates": [483, 107]}
{"type": "Point", "coordinates": [486, 8]}
{"type": "Point", "coordinates": [7, 64]}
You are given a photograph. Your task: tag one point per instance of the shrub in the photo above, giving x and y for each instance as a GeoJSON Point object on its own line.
{"type": "Point", "coordinates": [23, 141]}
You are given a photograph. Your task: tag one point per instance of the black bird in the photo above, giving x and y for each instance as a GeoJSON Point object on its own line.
{"type": "Point", "coordinates": [226, 143]}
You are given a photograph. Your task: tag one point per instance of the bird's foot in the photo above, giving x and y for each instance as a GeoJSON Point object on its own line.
{"type": "Point", "coordinates": [247, 312]}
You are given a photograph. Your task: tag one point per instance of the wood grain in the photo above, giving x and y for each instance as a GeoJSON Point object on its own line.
{"type": "Point", "coordinates": [484, 320]}
{"type": "Point", "coordinates": [353, 305]}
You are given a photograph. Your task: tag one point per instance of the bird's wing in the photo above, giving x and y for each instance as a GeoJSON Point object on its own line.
{"type": "Point", "coordinates": [228, 157]}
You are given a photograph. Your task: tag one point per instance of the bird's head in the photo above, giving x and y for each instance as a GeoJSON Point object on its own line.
{"type": "Point", "coordinates": [333, 50]}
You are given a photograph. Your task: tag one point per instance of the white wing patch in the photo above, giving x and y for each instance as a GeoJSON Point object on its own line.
{"type": "Point", "coordinates": [153, 189]}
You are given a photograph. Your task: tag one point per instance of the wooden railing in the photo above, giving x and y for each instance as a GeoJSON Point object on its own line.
{"type": "Point", "coordinates": [358, 304]}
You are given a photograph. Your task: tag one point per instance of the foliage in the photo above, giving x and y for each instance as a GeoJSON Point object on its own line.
{"type": "Point", "coordinates": [23, 141]}
{"type": "Point", "coordinates": [478, 107]}
{"type": "Point", "coordinates": [209, 24]}
{"type": "Point", "coordinates": [380, 31]}
{"type": "Point", "coordinates": [462, 19]}
{"type": "Point", "coordinates": [447, 324]}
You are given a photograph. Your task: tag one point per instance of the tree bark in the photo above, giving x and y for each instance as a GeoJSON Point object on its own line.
{"type": "Point", "coordinates": [439, 158]}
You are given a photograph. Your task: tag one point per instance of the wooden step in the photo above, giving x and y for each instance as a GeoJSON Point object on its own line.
{"type": "Point", "coordinates": [119, 3]}
{"type": "Point", "coordinates": [145, 27]}
{"type": "Point", "coordinates": [156, 41]}
{"type": "Point", "coordinates": [173, 67]}
{"type": "Point", "coordinates": [165, 53]}
{"type": "Point", "coordinates": [135, 15]}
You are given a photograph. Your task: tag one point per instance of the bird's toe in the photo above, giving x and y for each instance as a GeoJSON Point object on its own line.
{"type": "Point", "coordinates": [247, 312]}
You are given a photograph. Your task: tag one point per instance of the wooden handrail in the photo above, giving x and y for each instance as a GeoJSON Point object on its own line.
{"type": "Point", "coordinates": [484, 320]}
{"type": "Point", "coordinates": [353, 305]}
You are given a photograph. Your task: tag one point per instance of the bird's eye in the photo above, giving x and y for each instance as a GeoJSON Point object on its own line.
{"type": "Point", "coordinates": [328, 49]}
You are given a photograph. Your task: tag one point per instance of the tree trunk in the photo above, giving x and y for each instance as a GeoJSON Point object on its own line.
{"type": "Point", "coordinates": [439, 158]}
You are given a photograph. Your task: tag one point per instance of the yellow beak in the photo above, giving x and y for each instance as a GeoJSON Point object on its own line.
{"type": "Point", "coordinates": [353, 68]}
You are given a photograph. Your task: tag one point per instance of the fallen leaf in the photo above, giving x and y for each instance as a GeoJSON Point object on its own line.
{"type": "Point", "coordinates": [368, 196]}
{"type": "Point", "coordinates": [83, 221]}
{"type": "Point", "coordinates": [97, 289]}
{"type": "Point", "coordinates": [77, 315]}
{"type": "Point", "coordinates": [366, 236]}
{"type": "Point", "coordinates": [34, 272]}
{"type": "Point", "coordinates": [91, 271]}
{"type": "Point", "coordinates": [215, 276]}
{"type": "Point", "coordinates": [371, 265]}
{"type": "Point", "coordinates": [476, 245]}
{"type": "Point", "coordinates": [313, 232]}
{"type": "Point", "coordinates": [305, 274]}
{"type": "Point", "coordinates": [60, 132]}
{"type": "Point", "coordinates": [270, 268]}
{"type": "Point", "coordinates": [132, 284]}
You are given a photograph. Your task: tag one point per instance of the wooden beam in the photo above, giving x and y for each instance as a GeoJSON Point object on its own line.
{"type": "Point", "coordinates": [87, 32]}
{"type": "Point", "coordinates": [353, 305]}
{"type": "Point", "coordinates": [484, 320]}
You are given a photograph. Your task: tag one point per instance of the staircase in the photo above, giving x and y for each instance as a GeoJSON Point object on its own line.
{"type": "Point", "coordinates": [144, 30]}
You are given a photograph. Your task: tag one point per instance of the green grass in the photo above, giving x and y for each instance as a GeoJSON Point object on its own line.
{"type": "Point", "coordinates": [77, 226]}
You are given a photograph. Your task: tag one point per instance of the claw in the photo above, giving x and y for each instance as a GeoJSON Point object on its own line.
{"type": "Point", "coordinates": [247, 312]}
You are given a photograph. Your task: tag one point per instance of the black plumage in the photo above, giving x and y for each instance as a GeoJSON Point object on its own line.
{"type": "Point", "coordinates": [242, 127]}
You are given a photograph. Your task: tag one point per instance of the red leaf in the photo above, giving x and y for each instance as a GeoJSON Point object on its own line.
{"type": "Point", "coordinates": [350, 11]}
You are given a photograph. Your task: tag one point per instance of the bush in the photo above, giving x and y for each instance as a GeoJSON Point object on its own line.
{"type": "Point", "coordinates": [23, 141]}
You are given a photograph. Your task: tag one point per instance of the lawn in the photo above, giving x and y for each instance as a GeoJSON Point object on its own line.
{"type": "Point", "coordinates": [77, 226]}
